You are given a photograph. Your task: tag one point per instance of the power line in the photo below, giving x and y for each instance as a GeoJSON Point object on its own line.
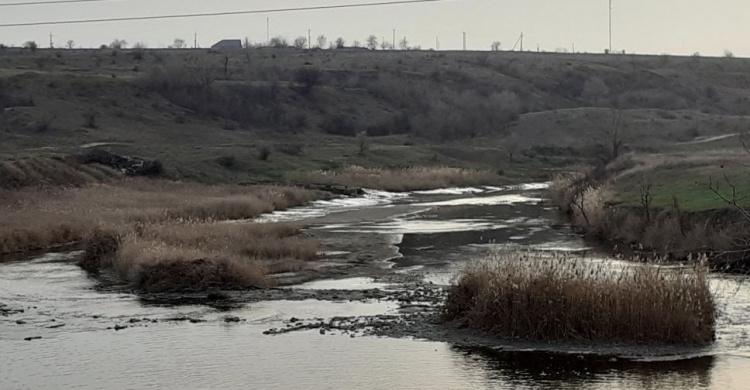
{"type": "Point", "coordinates": [50, 2]}
{"type": "Point", "coordinates": [227, 13]}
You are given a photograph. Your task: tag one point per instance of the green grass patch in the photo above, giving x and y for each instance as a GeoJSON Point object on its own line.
{"type": "Point", "coordinates": [690, 185]}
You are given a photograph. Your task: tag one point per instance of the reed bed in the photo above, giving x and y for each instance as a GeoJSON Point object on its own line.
{"type": "Point", "coordinates": [33, 219]}
{"type": "Point", "coordinates": [198, 255]}
{"type": "Point", "coordinates": [399, 179]}
{"type": "Point", "coordinates": [162, 236]}
{"type": "Point", "coordinates": [561, 298]}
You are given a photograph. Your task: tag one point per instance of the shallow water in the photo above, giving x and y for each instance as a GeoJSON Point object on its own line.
{"type": "Point", "coordinates": [434, 242]}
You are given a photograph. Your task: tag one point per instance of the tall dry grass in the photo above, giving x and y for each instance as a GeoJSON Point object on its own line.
{"type": "Point", "coordinates": [198, 255]}
{"type": "Point", "coordinates": [672, 233]}
{"type": "Point", "coordinates": [560, 298]}
{"type": "Point", "coordinates": [399, 179]}
{"type": "Point", "coordinates": [40, 218]}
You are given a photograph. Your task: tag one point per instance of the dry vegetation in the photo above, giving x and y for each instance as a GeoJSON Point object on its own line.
{"type": "Point", "coordinates": [161, 235]}
{"type": "Point", "coordinates": [559, 298]}
{"type": "Point", "coordinates": [198, 255]}
{"type": "Point", "coordinates": [399, 180]}
{"type": "Point", "coordinates": [52, 171]}
{"type": "Point", "coordinates": [658, 206]}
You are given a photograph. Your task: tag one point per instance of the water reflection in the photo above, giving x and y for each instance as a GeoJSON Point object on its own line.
{"type": "Point", "coordinates": [558, 371]}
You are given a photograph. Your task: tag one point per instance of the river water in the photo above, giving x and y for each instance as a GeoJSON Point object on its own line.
{"type": "Point", "coordinates": [435, 232]}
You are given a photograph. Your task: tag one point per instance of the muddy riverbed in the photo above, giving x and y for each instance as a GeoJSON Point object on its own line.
{"type": "Point", "coordinates": [363, 317]}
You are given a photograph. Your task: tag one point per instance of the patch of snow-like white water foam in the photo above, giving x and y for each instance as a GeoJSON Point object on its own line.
{"type": "Point", "coordinates": [343, 284]}
{"type": "Point", "coordinates": [452, 191]}
{"type": "Point", "coordinates": [510, 199]}
{"type": "Point", "coordinates": [403, 226]}
{"type": "Point", "coordinates": [322, 208]}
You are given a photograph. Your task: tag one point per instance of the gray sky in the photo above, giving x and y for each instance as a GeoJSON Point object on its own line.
{"type": "Point", "coordinates": [640, 26]}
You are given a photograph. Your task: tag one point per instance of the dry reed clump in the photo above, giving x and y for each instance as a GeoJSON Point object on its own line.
{"type": "Point", "coordinates": [197, 256]}
{"type": "Point", "coordinates": [154, 266]}
{"type": "Point", "coordinates": [399, 179]}
{"type": "Point", "coordinates": [40, 218]}
{"type": "Point", "coordinates": [560, 298]}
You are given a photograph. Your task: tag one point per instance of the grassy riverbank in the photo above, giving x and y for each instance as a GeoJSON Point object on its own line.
{"type": "Point", "coordinates": [161, 235]}
{"type": "Point", "coordinates": [557, 298]}
{"type": "Point", "coordinates": [665, 206]}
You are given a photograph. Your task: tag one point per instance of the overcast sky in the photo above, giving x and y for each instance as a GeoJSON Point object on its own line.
{"type": "Point", "coordinates": [640, 26]}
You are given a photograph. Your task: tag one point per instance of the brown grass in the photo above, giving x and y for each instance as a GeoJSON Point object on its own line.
{"type": "Point", "coordinates": [399, 179]}
{"type": "Point", "coordinates": [560, 298]}
{"type": "Point", "coordinates": [40, 218]}
{"type": "Point", "coordinates": [672, 233]}
{"type": "Point", "coordinates": [199, 255]}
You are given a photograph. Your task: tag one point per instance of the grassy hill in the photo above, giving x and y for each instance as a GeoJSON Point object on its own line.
{"type": "Point", "coordinates": [260, 113]}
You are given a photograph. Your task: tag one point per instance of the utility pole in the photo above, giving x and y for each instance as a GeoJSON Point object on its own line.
{"type": "Point", "coordinates": [437, 43]}
{"type": "Point", "coordinates": [195, 40]}
{"type": "Point", "coordinates": [610, 26]}
{"type": "Point", "coordinates": [309, 39]}
{"type": "Point", "coordinates": [464, 41]}
{"type": "Point", "coordinates": [394, 39]}
{"type": "Point", "coordinates": [268, 30]}
{"type": "Point", "coordinates": [51, 45]}
{"type": "Point", "coordinates": [521, 40]}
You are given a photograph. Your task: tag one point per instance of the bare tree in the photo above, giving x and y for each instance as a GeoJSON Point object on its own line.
{"type": "Point", "coordinates": [385, 45]}
{"type": "Point", "coordinates": [340, 43]}
{"type": "Point", "coordinates": [363, 142]}
{"type": "Point", "coordinates": [372, 42]}
{"type": "Point", "coordinates": [300, 42]}
{"type": "Point", "coordinates": [496, 46]}
{"type": "Point", "coordinates": [732, 199]}
{"type": "Point", "coordinates": [612, 138]}
{"type": "Point", "coordinates": [31, 45]}
{"type": "Point", "coordinates": [403, 44]}
{"type": "Point", "coordinates": [279, 42]}
{"type": "Point", "coordinates": [118, 44]}
{"type": "Point", "coordinates": [71, 44]}
{"type": "Point", "coordinates": [511, 147]}
{"type": "Point", "coordinates": [646, 197]}
{"type": "Point", "coordinates": [357, 44]}
{"type": "Point", "coordinates": [178, 44]}
{"type": "Point", "coordinates": [322, 40]}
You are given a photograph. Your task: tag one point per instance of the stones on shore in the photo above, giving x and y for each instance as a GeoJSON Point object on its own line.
{"type": "Point", "coordinates": [20, 322]}
{"type": "Point", "coordinates": [119, 327]}
{"type": "Point", "coordinates": [32, 338]}
{"type": "Point", "coordinates": [231, 319]}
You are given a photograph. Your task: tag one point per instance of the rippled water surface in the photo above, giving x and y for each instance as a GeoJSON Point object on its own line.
{"type": "Point", "coordinates": [436, 234]}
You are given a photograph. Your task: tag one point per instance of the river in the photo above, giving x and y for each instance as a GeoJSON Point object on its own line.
{"type": "Point", "coordinates": [431, 235]}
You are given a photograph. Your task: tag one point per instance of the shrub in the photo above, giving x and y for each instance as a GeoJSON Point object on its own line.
{"type": "Point", "coordinates": [30, 45]}
{"type": "Point", "coordinates": [294, 149]}
{"type": "Point", "coordinates": [265, 153]}
{"type": "Point", "coordinates": [89, 119]}
{"type": "Point", "coordinates": [338, 125]}
{"type": "Point", "coordinates": [228, 162]}
{"type": "Point", "coordinates": [559, 298]}
{"type": "Point", "coordinates": [308, 77]}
